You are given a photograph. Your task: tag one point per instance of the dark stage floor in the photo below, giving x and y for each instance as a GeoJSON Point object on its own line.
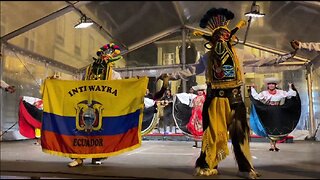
{"type": "Point", "coordinates": [160, 159]}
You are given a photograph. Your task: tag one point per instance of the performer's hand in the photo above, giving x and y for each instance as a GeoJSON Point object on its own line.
{"type": "Point", "coordinates": [291, 86]}
{"type": "Point", "coordinates": [165, 77]}
{"type": "Point", "coordinates": [162, 76]}
{"type": "Point", "coordinates": [241, 23]}
{"type": "Point", "coordinates": [197, 33]}
{"type": "Point", "coordinates": [55, 76]}
{"type": "Point", "coordinates": [10, 89]}
{"type": "Point", "coordinates": [295, 44]}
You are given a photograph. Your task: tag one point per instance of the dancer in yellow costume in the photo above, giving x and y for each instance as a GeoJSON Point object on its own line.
{"type": "Point", "coordinates": [224, 113]}
{"type": "Point", "coordinates": [101, 69]}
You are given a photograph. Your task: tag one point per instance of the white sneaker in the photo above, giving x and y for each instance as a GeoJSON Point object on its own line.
{"type": "Point", "coordinates": [96, 161]}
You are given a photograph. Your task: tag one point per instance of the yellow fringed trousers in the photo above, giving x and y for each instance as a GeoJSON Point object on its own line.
{"type": "Point", "coordinates": [224, 117]}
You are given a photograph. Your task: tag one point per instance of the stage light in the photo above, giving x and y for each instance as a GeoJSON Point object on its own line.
{"type": "Point", "coordinates": [84, 22]}
{"type": "Point", "coordinates": [255, 11]}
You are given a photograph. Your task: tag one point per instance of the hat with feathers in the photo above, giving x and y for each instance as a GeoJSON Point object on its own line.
{"type": "Point", "coordinates": [214, 19]}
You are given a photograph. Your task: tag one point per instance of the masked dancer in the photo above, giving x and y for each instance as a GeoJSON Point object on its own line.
{"type": "Point", "coordinates": [223, 111]}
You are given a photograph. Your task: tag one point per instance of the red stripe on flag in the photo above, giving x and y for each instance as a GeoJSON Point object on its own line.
{"type": "Point", "coordinates": [88, 144]}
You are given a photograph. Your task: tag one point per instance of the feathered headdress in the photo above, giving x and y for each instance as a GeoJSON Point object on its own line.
{"type": "Point", "coordinates": [215, 18]}
{"type": "Point", "coordinates": [109, 47]}
{"type": "Point", "coordinates": [111, 51]}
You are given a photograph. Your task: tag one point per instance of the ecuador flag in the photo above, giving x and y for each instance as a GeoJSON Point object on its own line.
{"type": "Point", "coordinates": [93, 118]}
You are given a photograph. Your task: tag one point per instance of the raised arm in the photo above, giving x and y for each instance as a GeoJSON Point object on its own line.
{"type": "Point", "coordinates": [240, 24]}
{"type": "Point", "coordinates": [165, 78]}
{"type": "Point", "coordinates": [255, 95]}
{"type": "Point", "coordinates": [290, 92]}
{"type": "Point", "coordinates": [4, 84]}
{"type": "Point", "coordinates": [191, 70]}
{"type": "Point", "coordinates": [7, 87]}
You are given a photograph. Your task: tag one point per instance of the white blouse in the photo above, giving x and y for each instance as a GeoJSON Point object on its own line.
{"type": "Point", "coordinates": [272, 99]}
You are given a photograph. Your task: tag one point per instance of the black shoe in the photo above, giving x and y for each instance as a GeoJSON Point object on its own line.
{"type": "Point", "coordinates": [271, 149]}
{"type": "Point", "coordinates": [276, 149]}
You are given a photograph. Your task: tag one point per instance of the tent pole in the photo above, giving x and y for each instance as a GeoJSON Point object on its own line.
{"type": "Point", "coordinates": [311, 114]}
{"type": "Point", "coordinates": [1, 92]}
{"type": "Point", "coordinates": [183, 58]}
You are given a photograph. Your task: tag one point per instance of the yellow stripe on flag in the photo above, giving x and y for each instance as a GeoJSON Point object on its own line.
{"type": "Point", "coordinates": [117, 97]}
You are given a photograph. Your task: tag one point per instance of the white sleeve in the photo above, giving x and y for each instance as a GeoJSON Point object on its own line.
{"type": "Point", "coordinates": [4, 84]}
{"type": "Point", "coordinates": [289, 93]}
{"type": "Point", "coordinates": [255, 95]}
{"type": "Point", "coordinates": [310, 46]}
{"type": "Point", "coordinates": [116, 75]}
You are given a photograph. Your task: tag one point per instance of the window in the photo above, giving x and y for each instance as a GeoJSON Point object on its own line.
{"type": "Point", "coordinates": [77, 42]}
{"type": "Point", "coordinates": [29, 40]}
{"type": "Point", "coordinates": [91, 47]}
{"type": "Point", "coordinates": [32, 40]}
{"type": "Point", "coordinates": [3, 25]}
{"type": "Point", "coordinates": [168, 58]}
{"type": "Point", "coordinates": [60, 30]}
{"type": "Point", "coordinates": [26, 42]}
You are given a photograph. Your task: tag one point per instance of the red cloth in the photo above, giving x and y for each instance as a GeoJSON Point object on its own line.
{"type": "Point", "coordinates": [27, 123]}
{"type": "Point", "coordinates": [195, 126]}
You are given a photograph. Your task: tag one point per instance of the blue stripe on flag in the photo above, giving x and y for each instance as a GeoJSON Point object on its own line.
{"type": "Point", "coordinates": [110, 125]}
